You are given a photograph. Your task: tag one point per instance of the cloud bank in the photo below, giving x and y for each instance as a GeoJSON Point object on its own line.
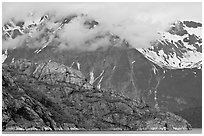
{"type": "Point", "coordinates": [138, 23]}
{"type": "Point", "coordinates": [75, 36]}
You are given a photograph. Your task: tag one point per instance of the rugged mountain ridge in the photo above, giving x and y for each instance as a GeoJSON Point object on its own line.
{"type": "Point", "coordinates": [179, 47]}
{"type": "Point", "coordinates": [129, 72]}
{"type": "Point", "coordinates": [119, 67]}
{"type": "Point", "coordinates": [50, 96]}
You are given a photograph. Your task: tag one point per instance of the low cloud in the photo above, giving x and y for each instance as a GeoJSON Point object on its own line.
{"type": "Point", "coordinates": [13, 43]}
{"type": "Point", "coordinates": [138, 23]}
{"type": "Point", "coordinates": [75, 35]}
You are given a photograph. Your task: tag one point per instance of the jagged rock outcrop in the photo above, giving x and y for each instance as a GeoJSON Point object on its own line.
{"type": "Point", "coordinates": [50, 96]}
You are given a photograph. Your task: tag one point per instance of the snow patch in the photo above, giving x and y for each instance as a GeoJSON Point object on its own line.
{"type": "Point", "coordinates": [4, 56]}
{"type": "Point", "coordinates": [114, 67]}
{"type": "Point", "coordinates": [72, 64]}
{"type": "Point", "coordinates": [78, 65]}
{"type": "Point", "coordinates": [99, 83]}
{"type": "Point", "coordinates": [196, 31]}
{"type": "Point", "coordinates": [13, 60]}
{"type": "Point", "coordinates": [91, 77]}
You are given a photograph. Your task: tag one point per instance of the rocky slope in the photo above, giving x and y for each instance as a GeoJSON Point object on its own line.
{"type": "Point", "coordinates": [129, 72]}
{"type": "Point", "coordinates": [50, 96]}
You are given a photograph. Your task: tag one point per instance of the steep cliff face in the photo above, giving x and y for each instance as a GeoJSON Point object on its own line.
{"type": "Point", "coordinates": [50, 96]}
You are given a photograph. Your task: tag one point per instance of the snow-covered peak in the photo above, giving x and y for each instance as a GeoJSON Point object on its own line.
{"type": "Point", "coordinates": [179, 47]}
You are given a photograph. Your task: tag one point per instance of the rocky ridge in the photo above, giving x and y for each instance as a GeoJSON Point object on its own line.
{"type": "Point", "coordinates": [50, 96]}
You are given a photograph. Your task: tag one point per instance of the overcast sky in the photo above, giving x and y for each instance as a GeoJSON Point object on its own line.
{"type": "Point", "coordinates": [137, 22]}
{"type": "Point", "coordinates": [155, 11]}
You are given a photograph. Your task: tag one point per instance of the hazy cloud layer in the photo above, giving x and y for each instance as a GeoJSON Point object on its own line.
{"type": "Point", "coordinates": [136, 22]}
{"type": "Point", "coordinates": [14, 43]}
{"type": "Point", "coordinates": [75, 35]}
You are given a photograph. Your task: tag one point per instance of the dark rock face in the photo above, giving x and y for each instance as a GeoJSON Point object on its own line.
{"type": "Point", "coordinates": [192, 24]}
{"type": "Point", "coordinates": [128, 72]}
{"type": "Point", "coordinates": [194, 116]}
{"type": "Point", "coordinates": [181, 89]}
{"type": "Point", "coordinates": [178, 29]}
{"type": "Point", "coordinates": [50, 96]}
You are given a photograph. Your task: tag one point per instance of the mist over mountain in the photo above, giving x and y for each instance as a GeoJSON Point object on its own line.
{"type": "Point", "coordinates": [136, 22]}
{"type": "Point", "coordinates": [136, 54]}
